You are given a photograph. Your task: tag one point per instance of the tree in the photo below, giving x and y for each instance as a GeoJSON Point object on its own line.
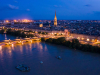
{"type": "Point", "coordinates": [75, 41]}
{"type": "Point", "coordinates": [2, 31]}
{"type": "Point", "coordinates": [39, 32]}
{"type": "Point", "coordinates": [61, 39]}
{"type": "Point", "coordinates": [30, 30]}
{"type": "Point", "coordinates": [67, 43]}
{"type": "Point", "coordinates": [42, 39]}
{"type": "Point", "coordinates": [49, 40]}
{"type": "Point", "coordinates": [43, 32]}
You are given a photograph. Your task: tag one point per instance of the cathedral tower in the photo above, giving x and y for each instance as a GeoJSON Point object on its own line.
{"type": "Point", "coordinates": [55, 20]}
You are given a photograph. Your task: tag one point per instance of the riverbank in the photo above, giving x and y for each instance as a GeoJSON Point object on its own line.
{"type": "Point", "coordinates": [17, 33]}
{"type": "Point", "coordinates": [74, 44]}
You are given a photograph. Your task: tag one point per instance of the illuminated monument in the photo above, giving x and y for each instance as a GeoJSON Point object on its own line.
{"type": "Point", "coordinates": [55, 20]}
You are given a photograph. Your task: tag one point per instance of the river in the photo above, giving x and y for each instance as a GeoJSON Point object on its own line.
{"type": "Point", "coordinates": [73, 62]}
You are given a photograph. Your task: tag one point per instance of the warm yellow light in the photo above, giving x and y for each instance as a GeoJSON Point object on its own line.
{"type": "Point", "coordinates": [12, 45]}
{"type": "Point", "coordinates": [7, 21]}
{"type": "Point", "coordinates": [82, 38]}
{"type": "Point", "coordinates": [41, 25]}
{"type": "Point", "coordinates": [78, 38]}
{"type": "Point", "coordinates": [0, 47]}
{"type": "Point", "coordinates": [26, 20]}
{"type": "Point", "coordinates": [15, 20]}
{"type": "Point", "coordinates": [92, 39]}
{"type": "Point", "coordinates": [88, 39]}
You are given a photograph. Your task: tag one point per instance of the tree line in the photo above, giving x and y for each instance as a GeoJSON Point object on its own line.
{"type": "Point", "coordinates": [18, 33]}
{"type": "Point", "coordinates": [74, 44]}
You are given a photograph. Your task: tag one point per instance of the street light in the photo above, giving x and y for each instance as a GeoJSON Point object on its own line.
{"type": "Point", "coordinates": [88, 39]}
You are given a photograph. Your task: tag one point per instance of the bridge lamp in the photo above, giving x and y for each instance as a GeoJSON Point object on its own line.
{"type": "Point", "coordinates": [88, 39]}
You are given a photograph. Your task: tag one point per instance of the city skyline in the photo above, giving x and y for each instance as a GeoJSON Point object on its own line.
{"type": "Point", "coordinates": [44, 10]}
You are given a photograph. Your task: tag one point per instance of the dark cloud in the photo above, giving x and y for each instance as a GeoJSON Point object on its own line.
{"type": "Point", "coordinates": [87, 5]}
{"type": "Point", "coordinates": [8, 7]}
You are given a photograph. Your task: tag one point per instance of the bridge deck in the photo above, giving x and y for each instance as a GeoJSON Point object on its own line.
{"type": "Point", "coordinates": [18, 41]}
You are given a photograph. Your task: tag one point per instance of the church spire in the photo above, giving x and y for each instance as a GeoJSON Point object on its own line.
{"type": "Point", "coordinates": [55, 13]}
{"type": "Point", "coordinates": [55, 19]}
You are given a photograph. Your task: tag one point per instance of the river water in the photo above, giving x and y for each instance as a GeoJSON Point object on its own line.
{"type": "Point", "coordinates": [73, 62]}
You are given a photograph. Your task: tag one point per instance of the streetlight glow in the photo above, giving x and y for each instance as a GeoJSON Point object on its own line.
{"type": "Point", "coordinates": [88, 39]}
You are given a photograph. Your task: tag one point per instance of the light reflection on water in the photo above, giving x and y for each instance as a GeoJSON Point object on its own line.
{"type": "Point", "coordinates": [45, 48]}
{"type": "Point", "coordinates": [1, 51]}
{"type": "Point", "coordinates": [31, 54]}
{"type": "Point", "coordinates": [21, 49]}
{"type": "Point", "coordinates": [12, 46]}
{"type": "Point", "coordinates": [10, 51]}
{"type": "Point", "coordinates": [0, 48]}
{"type": "Point", "coordinates": [72, 63]}
{"type": "Point", "coordinates": [5, 37]}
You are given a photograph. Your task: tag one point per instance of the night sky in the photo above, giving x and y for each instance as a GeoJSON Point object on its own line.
{"type": "Point", "coordinates": [45, 9]}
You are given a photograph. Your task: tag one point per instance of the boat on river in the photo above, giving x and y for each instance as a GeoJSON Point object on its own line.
{"type": "Point", "coordinates": [58, 57]}
{"type": "Point", "coordinates": [23, 68]}
{"type": "Point", "coordinates": [41, 62]}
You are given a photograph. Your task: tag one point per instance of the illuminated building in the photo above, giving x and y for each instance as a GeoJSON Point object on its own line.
{"type": "Point", "coordinates": [15, 20]}
{"type": "Point", "coordinates": [7, 21]}
{"type": "Point", "coordinates": [40, 25]}
{"type": "Point", "coordinates": [26, 20]}
{"type": "Point", "coordinates": [55, 20]}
